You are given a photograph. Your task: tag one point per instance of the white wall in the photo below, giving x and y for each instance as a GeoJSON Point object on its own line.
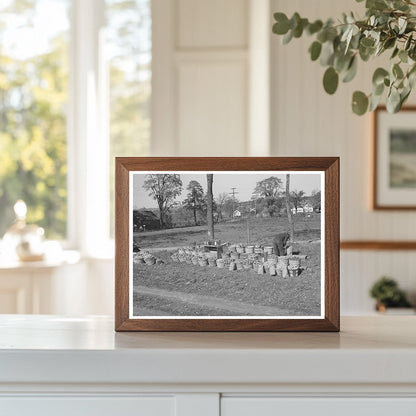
{"type": "Point", "coordinates": [308, 122]}
{"type": "Point", "coordinates": [200, 77]}
{"type": "Point", "coordinates": [211, 92]}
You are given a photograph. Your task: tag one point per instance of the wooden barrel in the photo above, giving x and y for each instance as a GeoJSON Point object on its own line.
{"type": "Point", "coordinates": [268, 250]}
{"type": "Point", "coordinates": [202, 262]}
{"type": "Point", "coordinates": [294, 263]}
{"type": "Point", "coordinates": [150, 260]}
{"type": "Point", "coordinates": [284, 260]}
{"type": "Point", "coordinates": [212, 262]}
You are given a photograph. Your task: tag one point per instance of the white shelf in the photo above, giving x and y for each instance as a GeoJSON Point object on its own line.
{"type": "Point", "coordinates": [48, 349]}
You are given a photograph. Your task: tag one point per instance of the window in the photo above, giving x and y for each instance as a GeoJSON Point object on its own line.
{"type": "Point", "coordinates": [33, 103]}
{"type": "Point", "coordinates": [75, 87]}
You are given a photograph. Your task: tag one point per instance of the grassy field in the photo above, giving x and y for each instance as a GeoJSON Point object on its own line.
{"type": "Point", "coordinates": [262, 231]}
{"type": "Point", "coordinates": [183, 289]}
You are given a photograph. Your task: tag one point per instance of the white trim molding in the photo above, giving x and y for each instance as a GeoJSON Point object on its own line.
{"type": "Point", "coordinates": [88, 179]}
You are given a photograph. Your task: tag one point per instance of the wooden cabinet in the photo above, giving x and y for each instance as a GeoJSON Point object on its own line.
{"type": "Point", "coordinates": [79, 366]}
{"type": "Point", "coordinates": [323, 406]}
{"type": "Point", "coordinates": [88, 406]}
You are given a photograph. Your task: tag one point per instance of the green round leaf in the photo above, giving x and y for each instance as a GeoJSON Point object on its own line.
{"type": "Point", "coordinates": [374, 102]}
{"type": "Point", "coordinates": [408, 42]}
{"type": "Point", "coordinates": [327, 54]}
{"type": "Point", "coordinates": [404, 96]}
{"type": "Point", "coordinates": [378, 90]}
{"type": "Point", "coordinates": [288, 37]}
{"type": "Point", "coordinates": [351, 71]}
{"type": "Point", "coordinates": [366, 53]}
{"type": "Point", "coordinates": [359, 103]}
{"type": "Point", "coordinates": [403, 56]}
{"type": "Point", "coordinates": [376, 4]}
{"type": "Point", "coordinates": [367, 42]}
{"type": "Point", "coordinates": [322, 36]}
{"type": "Point", "coordinates": [389, 43]}
{"type": "Point", "coordinates": [315, 50]}
{"type": "Point", "coordinates": [330, 80]}
{"type": "Point", "coordinates": [397, 71]}
{"type": "Point", "coordinates": [298, 30]}
{"type": "Point", "coordinates": [395, 52]}
{"type": "Point", "coordinates": [282, 26]}
{"type": "Point", "coordinates": [393, 101]}
{"type": "Point", "coordinates": [342, 62]}
{"type": "Point", "coordinates": [294, 20]}
{"type": "Point", "coordinates": [314, 27]}
{"type": "Point", "coordinates": [379, 75]}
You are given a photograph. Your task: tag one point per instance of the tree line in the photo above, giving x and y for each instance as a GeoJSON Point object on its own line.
{"type": "Point", "coordinates": [268, 196]}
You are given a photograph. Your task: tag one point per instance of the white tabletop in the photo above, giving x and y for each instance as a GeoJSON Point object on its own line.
{"type": "Point", "coordinates": [45, 349]}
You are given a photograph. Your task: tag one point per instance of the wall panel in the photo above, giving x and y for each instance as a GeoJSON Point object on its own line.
{"type": "Point", "coordinates": [200, 77]}
{"type": "Point", "coordinates": [212, 108]}
{"type": "Point", "coordinates": [212, 24]}
{"type": "Point", "coordinates": [308, 122]}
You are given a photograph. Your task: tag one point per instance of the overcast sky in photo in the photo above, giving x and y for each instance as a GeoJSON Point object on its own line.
{"type": "Point", "coordinates": [223, 182]}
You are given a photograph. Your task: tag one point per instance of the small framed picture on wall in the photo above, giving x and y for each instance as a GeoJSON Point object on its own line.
{"type": "Point", "coordinates": [227, 244]}
{"type": "Point", "coordinates": [394, 150]}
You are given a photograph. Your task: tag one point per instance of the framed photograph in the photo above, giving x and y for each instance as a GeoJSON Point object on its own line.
{"type": "Point", "coordinates": [394, 179]}
{"type": "Point", "coordinates": [227, 244]}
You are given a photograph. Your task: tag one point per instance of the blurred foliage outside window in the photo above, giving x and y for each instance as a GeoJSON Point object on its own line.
{"type": "Point", "coordinates": [33, 101]}
{"type": "Point", "coordinates": [34, 68]}
{"type": "Point", "coordinates": [129, 51]}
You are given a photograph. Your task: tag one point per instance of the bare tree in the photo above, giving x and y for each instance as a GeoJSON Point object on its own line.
{"type": "Point", "coordinates": [221, 200]}
{"type": "Point", "coordinates": [289, 212]}
{"type": "Point", "coordinates": [210, 211]}
{"type": "Point", "coordinates": [297, 197]}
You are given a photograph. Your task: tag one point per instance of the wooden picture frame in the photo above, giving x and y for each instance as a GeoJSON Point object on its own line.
{"type": "Point", "coordinates": [390, 191]}
{"type": "Point", "coordinates": [130, 168]}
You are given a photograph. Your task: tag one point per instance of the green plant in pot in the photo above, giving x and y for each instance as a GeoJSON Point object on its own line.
{"type": "Point", "coordinates": [389, 27]}
{"type": "Point", "coordinates": [387, 294]}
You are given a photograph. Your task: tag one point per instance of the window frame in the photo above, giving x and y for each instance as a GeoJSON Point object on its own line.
{"type": "Point", "coordinates": [87, 128]}
{"type": "Point", "coordinates": [88, 133]}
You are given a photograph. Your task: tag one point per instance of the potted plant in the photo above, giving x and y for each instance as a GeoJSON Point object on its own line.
{"type": "Point", "coordinates": [387, 294]}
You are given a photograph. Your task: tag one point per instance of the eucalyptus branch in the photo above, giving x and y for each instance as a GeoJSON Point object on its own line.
{"type": "Point", "coordinates": [389, 25]}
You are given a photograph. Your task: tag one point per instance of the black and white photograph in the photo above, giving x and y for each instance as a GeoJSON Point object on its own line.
{"type": "Point", "coordinates": [226, 244]}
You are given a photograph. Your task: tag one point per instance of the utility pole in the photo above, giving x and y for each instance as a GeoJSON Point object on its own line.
{"type": "Point", "coordinates": [233, 193]}
{"type": "Point", "coordinates": [289, 212]}
{"type": "Point", "coordinates": [210, 213]}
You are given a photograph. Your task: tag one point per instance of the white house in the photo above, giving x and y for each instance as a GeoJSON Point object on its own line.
{"type": "Point", "coordinates": [307, 208]}
{"type": "Point", "coordinates": [237, 214]}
